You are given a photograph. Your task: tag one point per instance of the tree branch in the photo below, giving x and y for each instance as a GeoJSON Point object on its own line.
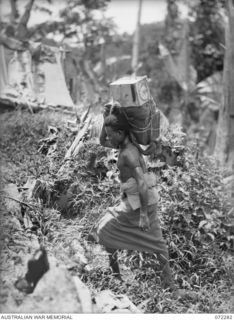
{"type": "Point", "coordinates": [12, 43]}
{"type": "Point", "coordinates": [14, 12]}
{"type": "Point", "coordinates": [22, 28]}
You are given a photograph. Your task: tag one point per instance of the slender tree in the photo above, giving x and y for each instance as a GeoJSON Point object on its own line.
{"type": "Point", "coordinates": [224, 149]}
{"type": "Point", "coordinates": [174, 41]}
{"type": "Point", "coordinates": [135, 48]}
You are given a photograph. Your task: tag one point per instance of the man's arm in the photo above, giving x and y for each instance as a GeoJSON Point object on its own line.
{"type": "Point", "coordinates": [142, 187]}
{"type": "Point", "coordinates": [132, 161]}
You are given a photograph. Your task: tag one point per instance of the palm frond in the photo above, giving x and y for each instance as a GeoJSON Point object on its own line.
{"type": "Point", "coordinates": [210, 91]}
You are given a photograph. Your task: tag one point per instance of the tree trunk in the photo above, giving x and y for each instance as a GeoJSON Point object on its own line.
{"type": "Point", "coordinates": [224, 149]}
{"type": "Point", "coordinates": [135, 48]}
{"type": "Point", "coordinates": [22, 27]}
{"type": "Point", "coordinates": [175, 39]}
{"type": "Point", "coordinates": [14, 12]}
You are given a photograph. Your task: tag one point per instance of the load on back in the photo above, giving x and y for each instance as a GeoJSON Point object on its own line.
{"type": "Point", "coordinates": [139, 108]}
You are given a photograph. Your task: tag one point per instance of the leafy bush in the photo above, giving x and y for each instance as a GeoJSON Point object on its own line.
{"type": "Point", "coordinates": [21, 133]}
{"type": "Point", "coordinates": [86, 185]}
{"type": "Point", "coordinates": [193, 209]}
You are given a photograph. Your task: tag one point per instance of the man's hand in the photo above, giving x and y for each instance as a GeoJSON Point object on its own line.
{"type": "Point", "coordinates": [106, 109]}
{"type": "Point", "coordinates": [144, 221]}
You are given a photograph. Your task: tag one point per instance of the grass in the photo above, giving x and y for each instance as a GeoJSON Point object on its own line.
{"type": "Point", "coordinates": [20, 141]}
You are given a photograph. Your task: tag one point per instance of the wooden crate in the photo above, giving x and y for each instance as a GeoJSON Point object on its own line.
{"type": "Point", "coordinates": [130, 91]}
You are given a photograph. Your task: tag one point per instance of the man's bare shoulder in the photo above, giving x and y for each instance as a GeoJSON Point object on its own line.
{"type": "Point", "coordinates": [131, 155]}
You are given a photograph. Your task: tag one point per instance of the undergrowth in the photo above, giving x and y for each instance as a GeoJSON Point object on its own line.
{"type": "Point", "coordinates": [21, 135]}
{"type": "Point", "coordinates": [193, 210]}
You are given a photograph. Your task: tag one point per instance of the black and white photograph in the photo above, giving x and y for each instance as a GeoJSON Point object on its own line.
{"type": "Point", "coordinates": [117, 159]}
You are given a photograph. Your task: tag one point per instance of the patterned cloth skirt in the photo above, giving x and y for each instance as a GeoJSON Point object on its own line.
{"type": "Point", "coordinates": [119, 229]}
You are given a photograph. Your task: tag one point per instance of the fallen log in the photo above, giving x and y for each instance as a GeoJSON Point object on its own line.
{"type": "Point", "coordinates": [85, 114]}
{"type": "Point", "coordinates": [13, 102]}
{"type": "Point", "coordinates": [75, 147]}
{"type": "Point", "coordinates": [78, 138]}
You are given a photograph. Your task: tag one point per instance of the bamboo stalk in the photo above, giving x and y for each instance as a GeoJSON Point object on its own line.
{"type": "Point", "coordinates": [79, 136]}
{"type": "Point", "coordinates": [76, 146]}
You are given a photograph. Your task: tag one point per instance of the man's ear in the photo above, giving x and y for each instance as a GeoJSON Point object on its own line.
{"type": "Point", "coordinates": [120, 132]}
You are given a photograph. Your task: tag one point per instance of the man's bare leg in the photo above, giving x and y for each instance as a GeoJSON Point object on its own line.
{"type": "Point", "coordinates": [113, 258]}
{"type": "Point", "coordinates": [167, 277]}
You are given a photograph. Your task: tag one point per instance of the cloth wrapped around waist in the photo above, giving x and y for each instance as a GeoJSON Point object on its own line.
{"type": "Point", "coordinates": [130, 189]}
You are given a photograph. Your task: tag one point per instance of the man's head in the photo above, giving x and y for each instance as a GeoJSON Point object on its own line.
{"type": "Point", "coordinates": [117, 127]}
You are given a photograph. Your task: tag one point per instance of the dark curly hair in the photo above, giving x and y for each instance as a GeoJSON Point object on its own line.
{"type": "Point", "coordinates": [117, 120]}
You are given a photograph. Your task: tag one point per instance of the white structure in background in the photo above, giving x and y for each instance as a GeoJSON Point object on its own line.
{"type": "Point", "coordinates": [23, 81]}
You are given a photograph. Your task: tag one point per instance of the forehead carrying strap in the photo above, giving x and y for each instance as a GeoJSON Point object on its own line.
{"type": "Point", "coordinates": [114, 104]}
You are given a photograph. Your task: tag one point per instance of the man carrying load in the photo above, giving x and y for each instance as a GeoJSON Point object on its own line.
{"type": "Point", "coordinates": [134, 224]}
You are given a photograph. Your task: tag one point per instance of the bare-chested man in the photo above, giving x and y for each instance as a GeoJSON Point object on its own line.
{"type": "Point", "coordinates": [132, 225]}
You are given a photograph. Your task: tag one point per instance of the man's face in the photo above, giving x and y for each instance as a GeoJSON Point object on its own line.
{"type": "Point", "coordinates": [115, 137]}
